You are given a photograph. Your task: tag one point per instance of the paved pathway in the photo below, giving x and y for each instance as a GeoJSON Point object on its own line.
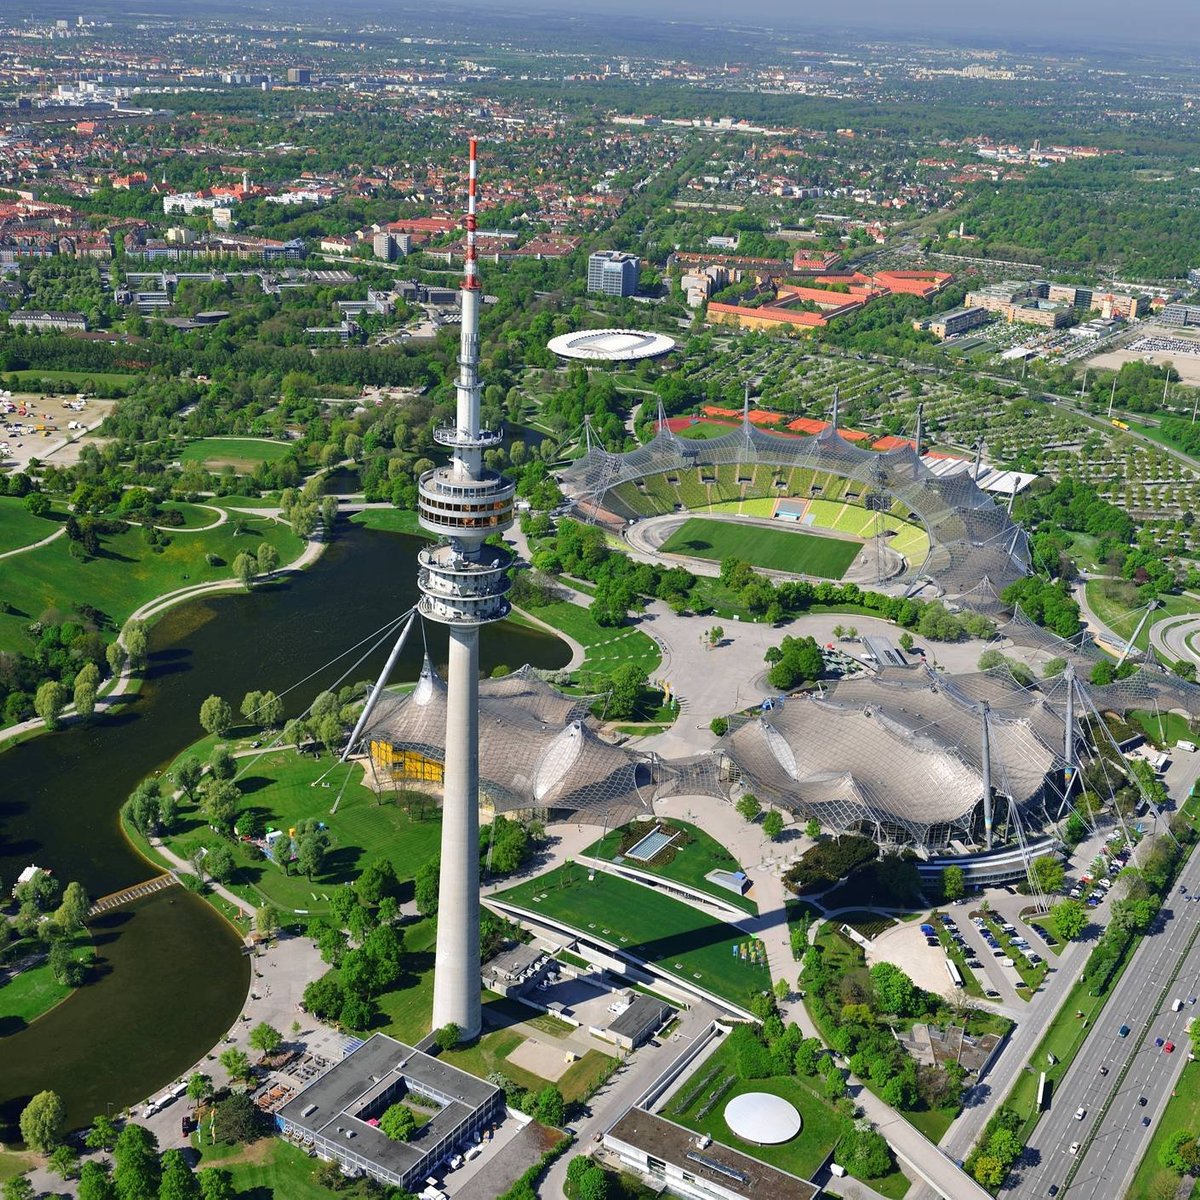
{"type": "Point", "coordinates": [36, 545]}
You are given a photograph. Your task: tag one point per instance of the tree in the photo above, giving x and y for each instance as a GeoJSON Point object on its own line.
{"type": "Point", "coordinates": [866, 1153]}
{"type": "Point", "coordinates": [990, 1171]}
{"type": "Point", "coordinates": [136, 1158]}
{"type": "Point", "coordinates": [295, 733]}
{"type": "Point", "coordinates": [954, 883]}
{"type": "Point", "coordinates": [19, 1188]}
{"type": "Point", "coordinates": [215, 1184]}
{"type": "Point", "coordinates": [398, 1122]}
{"type": "Point", "coordinates": [42, 1121]}
{"type": "Point", "coordinates": [549, 1107]}
{"type": "Point", "coordinates": [245, 567]}
{"type": "Point", "coordinates": [199, 1087]}
{"type": "Point", "coordinates": [270, 711]}
{"type": "Point", "coordinates": [378, 880]}
{"type": "Point", "coordinates": [238, 1119]}
{"type": "Point", "coordinates": [220, 864]}
{"type": "Point", "coordinates": [324, 997]}
{"type": "Point", "coordinates": [1048, 873]}
{"type": "Point", "coordinates": [426, 886]}
{"type": "Point", "coordinates": [250, 706]}
{"type": "Point", "coordinates": [102, 1135]}
{"type": "Point", "coordinates": [329, 730]}
{"type": "Point", "coordinates": [237, 1063]}
{"type": "Point", "coordinates": [37, 504]}
{"type": "Point", "coordinates": [627, 683]}
{"type": "Point", "coordinates": [266, 919]}
{"type": "Point", "coordinates": [64, 1162]}
{"type": "Point", "coordinates": [216, 716]}
{"type": "Point", "coordinates": [136, 644]}
{"type": "Point", "coordinates": [894, 991]}
{"type": "Point", "coordinates": [772, 824]}
{"type": "Point", "coordinates": [812, 828]}
{"type": "Point", "coordinates": [906, 642]}
{"type": "Point", "coordinates": [188, 775]}
{"type": "Point", "coordinates": [65, 968]}
{"type": "Point", "coordinates": [267, 557]}
{"type": "Point", "coordinates": [73, 910]}
{"type": "Point", "coordinates": [448, 1036]}
{"type": "Point", "coordinates": [219, 803]}
{"type": "Point", "coordinates": [178, 1182]}
{"type": "Point", "coordinates": [1069, 919]}
{"type": "Point", "coordinates": [266, 1038]}
{"type": "Point", "coordinates": [114, 655]}
{"type": "Point", "coordinates": [221, 763]}
{"type": "Point", "coordinates": [49, 701]}
{"type": "Point", "coordinates": [95, 1183]}
{"type": "Point", "coordinates": [310, 855]}
{"type": "Point", "coordinates": [83, 695]}
{"type": "Point", "coordinates": [749, 807]}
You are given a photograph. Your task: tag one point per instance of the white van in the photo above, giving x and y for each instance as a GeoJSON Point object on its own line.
{"type": "Point", "coordinates": [1176, 1005]}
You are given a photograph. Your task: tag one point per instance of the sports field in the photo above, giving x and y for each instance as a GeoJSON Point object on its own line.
{"type": "Point", "coordinates": [772, 549]}
{"type": "Point", "coordinates": [678, 939]}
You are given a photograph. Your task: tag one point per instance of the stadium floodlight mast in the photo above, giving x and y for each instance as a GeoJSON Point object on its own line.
{"type": "Point", "coordinates": [463, 585]}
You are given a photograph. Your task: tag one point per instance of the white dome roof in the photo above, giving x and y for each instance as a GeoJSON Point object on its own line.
{"type": "Point", "coordinates": [762, 1118]}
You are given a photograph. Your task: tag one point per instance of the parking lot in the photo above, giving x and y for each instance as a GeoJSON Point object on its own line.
{"type": "Point", "coordinates": [33, 426]}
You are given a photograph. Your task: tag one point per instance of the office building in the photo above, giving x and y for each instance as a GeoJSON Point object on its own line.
{"type": "Point", "coordinates": [613, 273]}
{"type": "Point", "coordinates": [336, 1116]}
{"type": "Point", "coordinates": [300, 75]}
{"type": "Point", "coordinates": [954, 322]}
{"type": "Point", "coordinates": [1180, 314]}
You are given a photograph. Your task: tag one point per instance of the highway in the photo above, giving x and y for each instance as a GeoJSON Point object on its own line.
{"type": "Point", "coordinates": [1165, 966]}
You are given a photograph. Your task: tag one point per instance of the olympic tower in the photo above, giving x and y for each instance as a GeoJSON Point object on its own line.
{"type": "Point", "coordinates": [463, 585]}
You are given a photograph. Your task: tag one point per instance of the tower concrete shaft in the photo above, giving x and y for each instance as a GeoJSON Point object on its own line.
{"type": "Point", "coordinates": [463, 585]}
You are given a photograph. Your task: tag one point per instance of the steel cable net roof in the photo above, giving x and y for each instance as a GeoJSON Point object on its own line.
{"type": "Point", "coordinates": [537, 747]}
{"type": "Point", "coordinates": [970, 537]}
{"type": "Point", "coordinates": [1150, 685]}
{"type": "Point", "coordinates": [899, 756]}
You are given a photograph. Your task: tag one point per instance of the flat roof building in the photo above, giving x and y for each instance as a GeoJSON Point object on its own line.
{"type": "Point", "coordinates": [1180, 314]}
{"type": "Point", "coordinates": [613, 273]}
{"type": "Point", "coordinates": [695, 1167]}
{"type": "Point", "coordinates": [956, 321]}
{"type": "Point", "coordinates": [333, 1116]}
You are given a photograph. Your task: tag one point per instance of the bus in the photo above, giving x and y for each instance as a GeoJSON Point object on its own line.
{"type": "Point", "coordinates": [955, 974]}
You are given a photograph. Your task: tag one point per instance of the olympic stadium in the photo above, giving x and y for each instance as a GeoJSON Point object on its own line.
{"type": "Point", "coordinates": [968, 539]}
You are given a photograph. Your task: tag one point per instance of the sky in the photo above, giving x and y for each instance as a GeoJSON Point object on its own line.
{"type": "Point", "coordinates": [1014, 22]}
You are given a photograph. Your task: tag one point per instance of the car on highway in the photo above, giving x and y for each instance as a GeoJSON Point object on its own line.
{"type": "Point", "coordinates": [1053, 1190]}
{"type": "Point", "coordinates": [1123, 1031]}
{"type": "Point", "coordinates": [1103, 1070]}
{"type": "Point", "coordinates": [1169, 1048]}
{"type": "Point", "coordinates": [1074, 1148]}
{"type": "Point", "coordinates": [1142, 1101]}
{"type": "Point", "coordinates": [1080, 1113]}
{"type": "Point", "coordinates": [1159, 1042]}
{"type": "Point", "coordinates": [1146, 1122]}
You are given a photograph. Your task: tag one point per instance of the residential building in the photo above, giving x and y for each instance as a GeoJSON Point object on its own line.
{"type": "Point", "coordinates": [300, 75]}
{"type": "Point", "coordinates": [40, 319]}
{"type": "Point", "coordinates": [336, 1116]}
{"type": "Point", "coordinates": [956, 321]}
{"type": "Point", "coordinates": [613, 273]}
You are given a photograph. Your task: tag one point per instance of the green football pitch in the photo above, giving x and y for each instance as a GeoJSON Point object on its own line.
{"type": "Point", "coordinates": [760, 546]}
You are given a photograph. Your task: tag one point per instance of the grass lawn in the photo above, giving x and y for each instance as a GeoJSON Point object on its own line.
{"type": "Point", "coordinates": [498, 1010]}
{"type": "Point", "coordinates": [127, 573]}
{"type": "Point", "coordinates": [1182, 1112]}
{"type": "Point", "coordinates": [19, 527]}
{"type": "Point", "coordinates": [408, 1008]}
{"type": "Point", "coordinates": [1163, 729]}
{"type": "Point", "coordinates": [107, 379]}
{"type": "Point", "coordinates": [678, 939]}
{"type": "Point", "coordinates": [287, 787]}
{"type": "Point", "coordinates": [36, 991]}
{"type": "Point", "coordinates": [1116, 615]}
{"type": "Point", "coordinates": [687, 865]}
{"type": "Point", "coordinates": [268, 1167]}
{"type": "Point", "coordinates": [605, 648]}
{"type": "Point", "coordinates": [195, 516]}
{"type": "Point", "coordinates": [241, 453]}
{"type": "Point", "coordinates": [391, 520]}
{"type": "Point", "coordinates": [489, 1054]}
{"type": "Point", "coordinates": [772, 549]}
{"type": "Point", "coordinates": [705, 430]}
{"type": "Point", "coordinates": [822, 1126]}
{"type": "Point", "coordinates": [13, 1163]}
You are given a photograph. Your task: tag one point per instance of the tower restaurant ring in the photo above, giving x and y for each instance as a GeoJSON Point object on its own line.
{"type": "Point", "coordinates": [611, 345]}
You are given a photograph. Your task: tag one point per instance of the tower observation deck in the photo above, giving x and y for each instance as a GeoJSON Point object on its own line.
{"type": "Point", "coordinates": [464, 585]}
